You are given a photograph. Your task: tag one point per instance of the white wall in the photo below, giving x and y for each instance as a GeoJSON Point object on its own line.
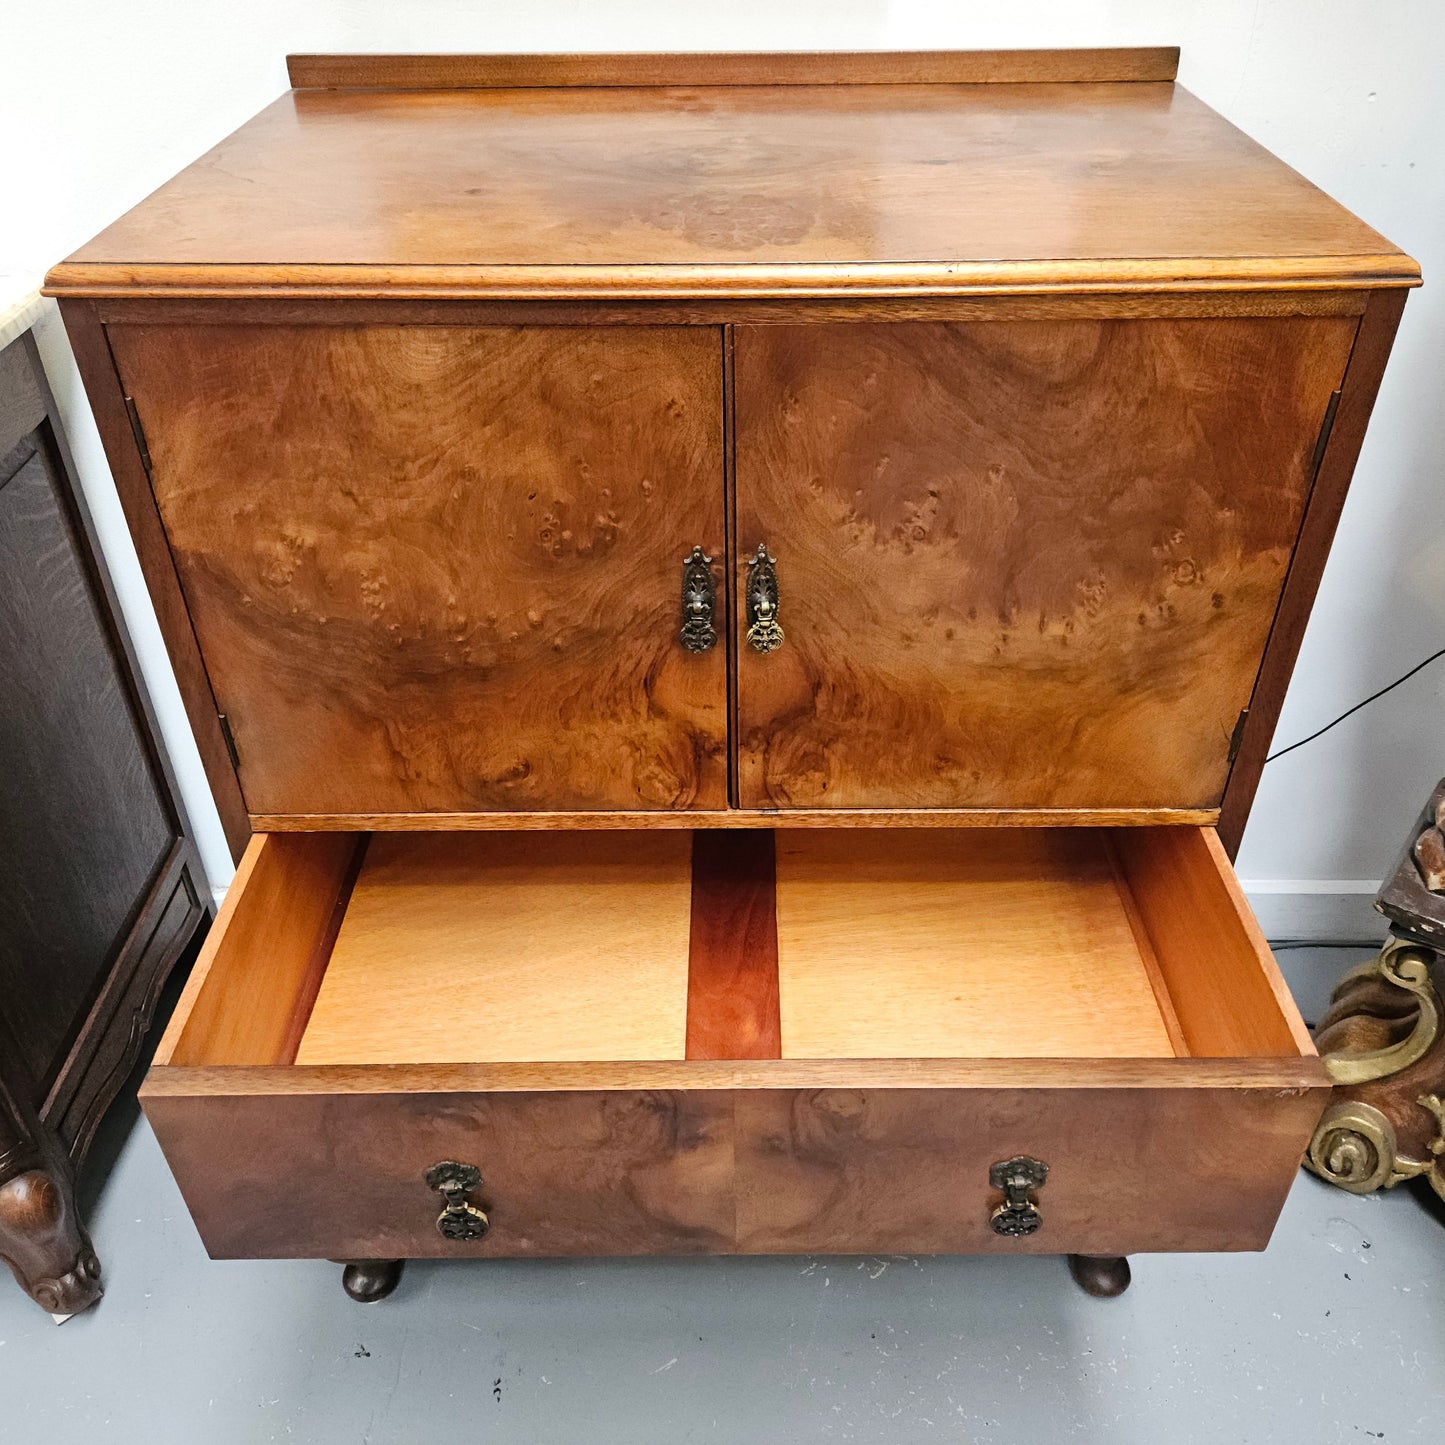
{"type": "Point", "coordinates": [112, 99]}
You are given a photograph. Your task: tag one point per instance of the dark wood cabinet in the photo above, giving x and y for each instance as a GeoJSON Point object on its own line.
{"type": "Point", "coordinates": [100, 886]}
{"type": "Point", "coordinates": [920, 466]}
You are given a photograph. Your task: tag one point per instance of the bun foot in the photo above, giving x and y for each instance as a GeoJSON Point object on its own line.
{"type": "Point", "coordinates": [45, 1244]}
{"type": "Point", "coordinates": [366, 1280]}
{"type": "Point", "coordinates": [1105, 1276]}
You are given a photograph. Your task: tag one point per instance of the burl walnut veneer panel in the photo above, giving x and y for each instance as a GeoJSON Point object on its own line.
{"type": "Point", "coordinates": [439, 568]}
{"type": "Point", "coordinates": [1020, 563]}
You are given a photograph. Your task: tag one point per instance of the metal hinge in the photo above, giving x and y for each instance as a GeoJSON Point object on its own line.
{"type": "Point", "coordinates": [138, 432]}
{"type": "Point", "coordinates": [226, 733]}
{"type": "Point", "coordinates": [1237, 736]}
{"type": "Point", "coordinates": [1323, 440]}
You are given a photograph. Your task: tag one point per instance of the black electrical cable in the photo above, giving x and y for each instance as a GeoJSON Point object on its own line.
{"type": "Point", "coordinates": [1322, 731]}
{"type": "Point", "coordinates": [1280, 944]}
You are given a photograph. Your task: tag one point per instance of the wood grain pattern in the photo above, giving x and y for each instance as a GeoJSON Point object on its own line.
{"type": "Point", "coordinates": [1221, 976]}
{"type": "Point", "coordinates": [203, 1080]}
{"type": "Point", "coordinates": [84, 823]}
{"type": "Point", "coordinates": [906, 1171]}
{"type": "Point", "coordinates": [954, 945]}
{"type": "Point", "coordinates": [832, 67]}
{"type": "Point", "coordinates": [100, 883]}
{"type": "Point", "coordinates": [265, 953]}
{"type": "Point", "coordinates": [340, 1175]}
{"type": "Point", "coordinates": [732, 975]}
{"type": "Point", "coordinates": [1358, 391]}
{"type": "Point", "coordinates": [744, 191]}
{"type": "Point", "coordinates": [913, 945]}
{"type": "Point", "coordinates": [1046, 556]}
{"type": "Point", "coordinates": [456, 584]}
{"type": "Point", "coordinates": [22, 404]}
{"type": "Point", "coordinates": [163, 937]}
{"type": "Point", "coordinates": [440, 822]}
{"type": "Point", "coordinates": [853, 1171]}
{"type": "Point", "coordinates": [107, 401]}
{"type": "Point", "coordinates": [143, 310]}
{"type": "Point", "coordinates": [1150, 960]}
{"type": "Point", "coordinates": [1132, 282]}
{"type": "Point", "coordinates": [484, 947]}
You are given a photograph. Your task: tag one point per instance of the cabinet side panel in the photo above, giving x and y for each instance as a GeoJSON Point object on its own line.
{"type": "Point", "coordinates": [84, 828]}
{"type": "Point", "coordinates": [1327, 499]}
{"type": "Point", "coordinates": [1221, 976]}
{"type": "Point", "coordinates": [258, 974]}
{"type": "Point", "coordinates": [107, 400]}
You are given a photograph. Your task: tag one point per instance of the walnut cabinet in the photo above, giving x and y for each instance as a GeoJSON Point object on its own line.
{"type": "Point", "coordinates": [740, 602]}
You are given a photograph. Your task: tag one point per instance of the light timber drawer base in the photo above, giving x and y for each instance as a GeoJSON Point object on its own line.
{"type": "Point", "coordinates": [656, 1042]}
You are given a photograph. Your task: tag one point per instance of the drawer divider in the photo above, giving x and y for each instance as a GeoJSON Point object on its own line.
{"type": "Point", "coordinates": [732, 969]}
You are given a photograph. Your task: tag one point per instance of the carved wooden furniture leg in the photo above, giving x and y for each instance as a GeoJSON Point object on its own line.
{"type": "Point", "coordinates": [1101, 1275]}
{"type": "Point", "coordinates": [366, 1280]}
{"type": "Point", "coordinates": [45, 1244]}
{"type": "Point", "coordinates": [41, 1236]}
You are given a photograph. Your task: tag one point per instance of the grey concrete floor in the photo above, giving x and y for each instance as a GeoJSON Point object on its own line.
{"type": "Point", "coordinates": [1336, 1333]}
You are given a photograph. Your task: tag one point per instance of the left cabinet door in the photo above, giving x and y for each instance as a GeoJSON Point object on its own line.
{"type": "Point", "coordinates": [440, 568]}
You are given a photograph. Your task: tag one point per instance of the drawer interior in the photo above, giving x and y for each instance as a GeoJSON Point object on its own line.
{"type": "Point", "coordinates": [804, 944]}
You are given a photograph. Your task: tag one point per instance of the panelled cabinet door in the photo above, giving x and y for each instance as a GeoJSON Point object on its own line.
{"type": "Point", "coordinates": [1017, 564]}
{"type": "Point", "coordinates": [440, 568]}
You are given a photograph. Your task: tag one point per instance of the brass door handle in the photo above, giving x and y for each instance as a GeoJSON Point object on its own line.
{"type": "Point", "coordinates": [460, 1218]}
{"type": "Point", "coordinates": [1019, 1177]}
{"type": "Point", "coordinates": [699, 602]}
{"type": "Point", "coordinates": [764, 632]}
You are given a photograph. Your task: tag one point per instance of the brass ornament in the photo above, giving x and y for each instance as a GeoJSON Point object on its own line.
{"type": "Point", "coordinates": [764, 632]}
{"type": "Point", "coordinates": [699, 602]}
{"type": "Point", "coordinates": [460, 1219]}
{"type": "Point", "coordinates": [1357, 1145]}
{"type": "Point", "coordinates": [1407, 966]}
{"type": "Point", "coordinates": [1019, 1177]}
{"type": "Point", "coordinates": [1354, 1147]}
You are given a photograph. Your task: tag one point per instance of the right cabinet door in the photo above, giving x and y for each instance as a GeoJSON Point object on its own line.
{"type": "Point", "coordinates": [1016, 563]}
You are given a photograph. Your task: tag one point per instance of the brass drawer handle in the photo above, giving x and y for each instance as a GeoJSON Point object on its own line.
{"type": "Point", "coordinates": [1019, 1214]}
{"type": "Point", "coordinates": [699, 602]}
{"type": "Point", "coordinates": [764, 633]}
{"type": "Point", "coordinates": [460, 1218]}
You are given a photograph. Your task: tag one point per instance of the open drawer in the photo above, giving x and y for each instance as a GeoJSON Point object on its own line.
{"type": "Point", "coordinates": [734, 1041]}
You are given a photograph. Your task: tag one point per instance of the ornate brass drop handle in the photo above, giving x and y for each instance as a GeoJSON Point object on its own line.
{"type": "Point", "coordinates": [460, 1218]}
{"type": "Point", "coordinates": [1019, 1214]}
{"type": "Point", "coordinates": [699, 602]}
{"type": "Point", "coordinates": [764, 632]}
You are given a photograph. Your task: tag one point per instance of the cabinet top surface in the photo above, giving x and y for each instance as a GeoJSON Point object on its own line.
{"type": "Point", "coordinates": [599, 187]}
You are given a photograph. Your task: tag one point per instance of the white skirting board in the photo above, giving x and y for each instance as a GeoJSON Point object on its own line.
{"type": "Point", "coordinates": [1323, 909]}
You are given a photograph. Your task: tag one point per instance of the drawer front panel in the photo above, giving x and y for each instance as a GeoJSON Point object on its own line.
{"type": "Point", "coordinates": [1019, 564]}
{"type": "Point", "coordinates": [341, 1175]}
{"type": "Point", "coordinates": [907, 1171]}
{"type": "Point", "coordinates": [759, 1171]}
{"type": "Point", "coordinates": [441, 568]}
